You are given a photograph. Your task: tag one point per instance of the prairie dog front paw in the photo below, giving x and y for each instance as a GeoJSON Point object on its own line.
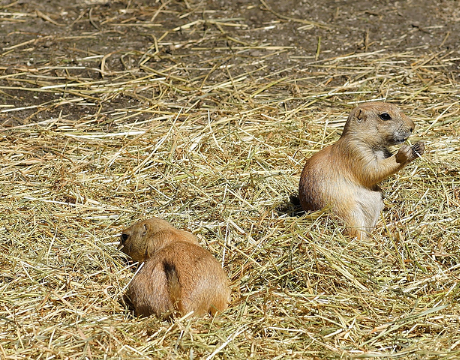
{"type": "Point", "coordinates": [404, 154]}
{"type": "Point", "coordinates": [408, 153]}
{"type": "Point", "coordinates": [418, 149]}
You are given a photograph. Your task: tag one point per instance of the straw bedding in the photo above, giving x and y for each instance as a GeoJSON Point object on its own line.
{"type": "Point", "coordinates": [213, 140]}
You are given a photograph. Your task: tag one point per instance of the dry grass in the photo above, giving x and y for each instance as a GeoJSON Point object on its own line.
{"type": "Point", "coordinates": [215, 143]}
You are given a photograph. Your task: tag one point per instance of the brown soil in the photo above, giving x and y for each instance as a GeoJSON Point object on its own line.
{"type": "Point", "coordinates": [61, 39]}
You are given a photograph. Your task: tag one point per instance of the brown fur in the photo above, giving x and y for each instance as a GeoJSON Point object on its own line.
{"type": "Point", "coordinates": [178, 275]}
{"type": "Point", "coordinates": [345, 175]}
{"type": "Point", "coordinates": [144, 238]}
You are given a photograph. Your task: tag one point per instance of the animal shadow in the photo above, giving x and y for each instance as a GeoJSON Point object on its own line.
{"type": "Point", "coordinates": [291, 207]}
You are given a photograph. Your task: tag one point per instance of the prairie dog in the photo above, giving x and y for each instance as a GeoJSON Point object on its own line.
{"type": "Point", "coordinates": [178, 275]}
{"type": "Point", "coordinates": [345, 174]}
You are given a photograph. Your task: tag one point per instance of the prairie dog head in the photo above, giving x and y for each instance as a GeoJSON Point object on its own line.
{"type": "Point", "coordinates": [378, 124]}
{"type": "Point", "coordinates": [144, 238]}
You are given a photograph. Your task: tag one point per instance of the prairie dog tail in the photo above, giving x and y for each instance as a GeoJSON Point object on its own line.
{"type": "Point", "coordinates": [173, 284]}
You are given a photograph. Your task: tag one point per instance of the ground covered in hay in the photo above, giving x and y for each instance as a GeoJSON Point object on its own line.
{"type": "Point", "coordinates": [203, 112]}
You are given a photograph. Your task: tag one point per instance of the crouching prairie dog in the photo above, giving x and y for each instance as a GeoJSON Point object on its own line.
{"type": "Point", "coordinates": [178, 275]}
{"type": "Point", "coordinates": [344, 175]}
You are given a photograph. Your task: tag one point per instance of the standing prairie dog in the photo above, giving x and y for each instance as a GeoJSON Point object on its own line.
{"type": "Point", "coordinates": [178, 275]}
{"type": "Point", "coordinates": [345, 174]}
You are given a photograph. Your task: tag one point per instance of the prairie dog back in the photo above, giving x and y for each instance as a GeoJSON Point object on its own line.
{"type": "Point", "coordinates": [180, 278]}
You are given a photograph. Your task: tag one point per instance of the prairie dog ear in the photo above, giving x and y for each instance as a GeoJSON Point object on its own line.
{"type": "Point", "coordinates": [360, 116]}
{"type": "Point", "coordinates": [145, 228]}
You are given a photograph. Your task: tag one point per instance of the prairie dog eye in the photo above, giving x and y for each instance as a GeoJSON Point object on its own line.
{"type": "Point", "coordinates": [385, 116]}
{"type": "Point", "coordinates": [124, 237]}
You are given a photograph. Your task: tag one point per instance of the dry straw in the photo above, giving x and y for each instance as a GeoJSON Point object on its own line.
{"type": "Point", "coordinates": [214, 140]}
